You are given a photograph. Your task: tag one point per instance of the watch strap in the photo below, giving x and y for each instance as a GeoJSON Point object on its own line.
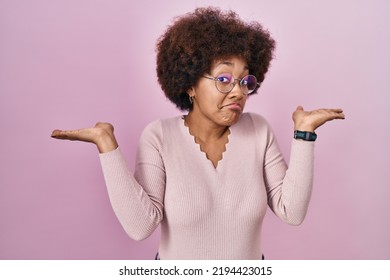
{"type": "Point", "coordinates": [305, 135]}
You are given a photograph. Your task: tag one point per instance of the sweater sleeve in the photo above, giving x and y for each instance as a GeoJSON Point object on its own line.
{"type": "Point", "coordinates": [288, 187]}
{"type": "Point", "coordinates": [137, 200]}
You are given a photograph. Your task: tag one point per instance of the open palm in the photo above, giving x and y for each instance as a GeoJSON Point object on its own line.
{"type": "Point", "coordinates": [102, 134]}
{"type": "Point", "coordinates": [311, 120]}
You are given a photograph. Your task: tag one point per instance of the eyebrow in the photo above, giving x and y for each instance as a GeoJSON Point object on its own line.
{"type": "Point", "coordinates": [228, 63]}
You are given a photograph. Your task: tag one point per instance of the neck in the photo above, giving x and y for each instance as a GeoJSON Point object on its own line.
{"type": "Point", "coordinates": [204, 129]}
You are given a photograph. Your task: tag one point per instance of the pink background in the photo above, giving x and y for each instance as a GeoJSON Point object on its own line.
{"type": "Point", "coordinates": [68, 64]}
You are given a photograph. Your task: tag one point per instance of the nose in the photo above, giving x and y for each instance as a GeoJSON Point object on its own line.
{"type": "Point", "coordinates": [237, 91]}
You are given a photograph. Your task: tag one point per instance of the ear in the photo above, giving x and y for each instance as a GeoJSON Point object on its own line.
{"type": "Point", "coordinates": [191, 92]}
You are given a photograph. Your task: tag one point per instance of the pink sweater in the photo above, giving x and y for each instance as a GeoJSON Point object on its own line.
{"type": "Point", "coordinates": [207, 212]}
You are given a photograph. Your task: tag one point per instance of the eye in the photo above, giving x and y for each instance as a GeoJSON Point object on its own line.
{"type": "Point", "coordinates": [244, 81]}
{"type": "Point", "coordinates": [249, 81]}
{"type": "Point", "coordinates": [224, 78]}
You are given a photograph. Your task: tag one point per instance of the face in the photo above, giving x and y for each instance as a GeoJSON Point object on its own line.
{"type": "Point", "coordinates": [210, 104]}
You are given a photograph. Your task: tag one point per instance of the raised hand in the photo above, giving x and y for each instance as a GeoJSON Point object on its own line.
{"type": "Point", "coordinates": [311, 120]}
{"type": "Point", "coordinates": [102, 135]}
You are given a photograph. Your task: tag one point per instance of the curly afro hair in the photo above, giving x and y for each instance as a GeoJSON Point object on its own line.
{"type": "Point", "coordinates": [188, 48]}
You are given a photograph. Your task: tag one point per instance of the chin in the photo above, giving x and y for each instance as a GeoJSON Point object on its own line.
{"type": "Point", "coordinates": [231, 118]}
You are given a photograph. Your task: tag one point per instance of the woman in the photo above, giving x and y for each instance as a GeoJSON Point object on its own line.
{"type": "Point", "coordinates": [208, 176]}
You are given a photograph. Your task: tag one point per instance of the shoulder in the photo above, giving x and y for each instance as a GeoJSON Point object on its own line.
{"type": "Point", "coordinates": [153, 128]}
{"type": "Point", "coordinates": [256, 126]}
{"type": "Point", "coordinates": [162, 124]}
{"type": "Point", "coordinates": [157, 128]}
{"type": "Point", "coordinates": [255, 120]}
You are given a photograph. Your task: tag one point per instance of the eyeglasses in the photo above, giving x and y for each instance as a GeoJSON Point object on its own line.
{"type": "Point", "coordinates": [225, 83]}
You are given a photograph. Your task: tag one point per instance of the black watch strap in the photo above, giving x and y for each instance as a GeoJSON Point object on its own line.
{"type": "Point", "coordinates": [305, 135]}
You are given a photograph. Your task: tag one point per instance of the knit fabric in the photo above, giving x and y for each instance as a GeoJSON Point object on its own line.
{"type": "Point", "coordinates": [207, 212]}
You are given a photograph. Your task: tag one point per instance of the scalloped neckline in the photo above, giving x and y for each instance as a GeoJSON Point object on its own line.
{"type": "Point", "coordinates": [201, 147]}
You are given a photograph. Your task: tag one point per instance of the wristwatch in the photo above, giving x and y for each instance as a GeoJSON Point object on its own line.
{"type": "Point", "coordinates": [305, 135]}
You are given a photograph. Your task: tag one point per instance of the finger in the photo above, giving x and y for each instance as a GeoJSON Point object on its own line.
{"type": "Point", "coordinates": [340, 116]}
{"type": "Point", "coordinates": [54, 132]}
{"type": "Point", "coordinates": [338, 110]}
{"type": "Point", "coordinates": [62, 134]}
{"type": "Point", "coordinates": [57, 133]}
{"type": "Point", "coordinates": [332, 113]}
{"type": "Point", "coordinates": [334, 116]}
{"type": "Point", "coordinates": [69, 134]}
{"type": "Point", "coordinates": [337, 113]}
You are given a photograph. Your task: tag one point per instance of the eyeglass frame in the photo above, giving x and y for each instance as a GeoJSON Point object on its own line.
{"type": "Point", "coordinates": [215, 79]}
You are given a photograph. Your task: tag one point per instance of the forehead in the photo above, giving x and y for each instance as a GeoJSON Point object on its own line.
{"type": "Point", "coordinates": [234, 63]}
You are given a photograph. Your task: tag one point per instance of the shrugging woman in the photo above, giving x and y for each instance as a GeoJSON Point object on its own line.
{"type": "Point", "coordinates": [208, 176]}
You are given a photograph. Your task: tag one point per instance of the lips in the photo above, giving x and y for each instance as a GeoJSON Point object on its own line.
{"type": "Point", "coordinates": [233, 106]}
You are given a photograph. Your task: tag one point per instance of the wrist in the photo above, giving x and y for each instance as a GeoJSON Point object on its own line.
{"type": "Point", "coordinates": [106, 142]}
{"type": "Point", "coordinates": [302, 127]}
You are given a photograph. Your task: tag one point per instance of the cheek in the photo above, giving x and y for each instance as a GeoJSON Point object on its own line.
{"type": "Point", "coordinates": [245, 98]}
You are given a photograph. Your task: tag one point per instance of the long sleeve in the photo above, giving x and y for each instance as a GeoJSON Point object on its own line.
{"type": "Point", "coordinates": [288, 188]}
{"type": "Point", "coordinates": [137, 199]}
{"type": "Point", "coordinates": [207, 212]}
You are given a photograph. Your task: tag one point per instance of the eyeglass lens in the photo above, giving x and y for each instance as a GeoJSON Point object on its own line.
{"type": "Point", "coordinates": [225, 83]}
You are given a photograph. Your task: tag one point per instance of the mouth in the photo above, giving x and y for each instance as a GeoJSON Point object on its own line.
{"type": "Point", "coordinates": [233, 106]}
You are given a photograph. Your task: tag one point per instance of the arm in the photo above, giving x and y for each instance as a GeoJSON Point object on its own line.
{"type": "Point", "coordinates": [289, 190]}
{"type": "Point", "coordinates": [137, 200]}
